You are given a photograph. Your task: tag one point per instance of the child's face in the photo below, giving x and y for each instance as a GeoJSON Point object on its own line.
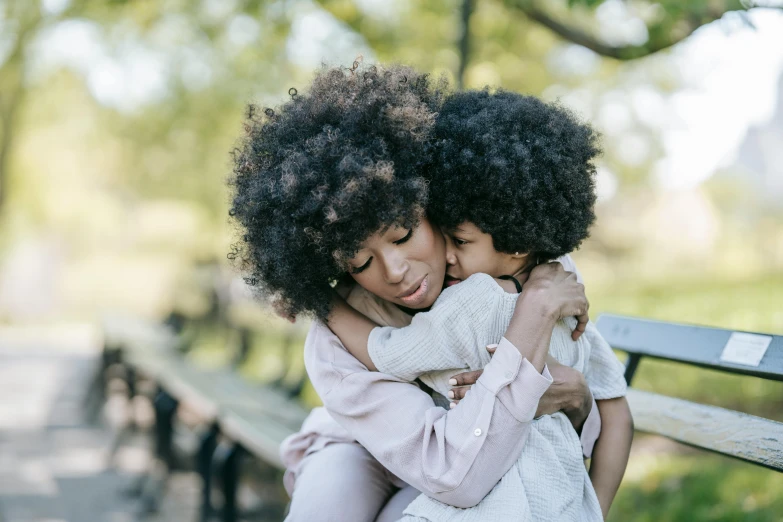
{"type": "Point", "coordinates": [470, 251]}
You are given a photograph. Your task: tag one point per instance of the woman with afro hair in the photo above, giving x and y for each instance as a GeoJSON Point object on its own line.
{"type": "Point", "coordinates": [339, 170]}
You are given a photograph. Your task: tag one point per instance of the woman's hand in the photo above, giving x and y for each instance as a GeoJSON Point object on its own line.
{"type": "Point", "coordinates": [558, 294]}
{"type": "Point", "coordinates": [567, 393]}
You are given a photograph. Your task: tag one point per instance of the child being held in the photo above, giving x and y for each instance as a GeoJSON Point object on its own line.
{"type": "Point", "coordinates": [513, 185]}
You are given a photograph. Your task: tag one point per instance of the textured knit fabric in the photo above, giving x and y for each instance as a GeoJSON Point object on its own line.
{"type": "Point", "coordinates": [549, 480]}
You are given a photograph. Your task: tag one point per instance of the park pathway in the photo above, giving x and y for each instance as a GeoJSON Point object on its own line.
{"type": "Point", "coordinates": [53, 465]}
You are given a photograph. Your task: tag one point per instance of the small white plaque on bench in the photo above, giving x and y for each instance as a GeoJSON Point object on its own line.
{"type": "Point", "coordinates": [745, 348]}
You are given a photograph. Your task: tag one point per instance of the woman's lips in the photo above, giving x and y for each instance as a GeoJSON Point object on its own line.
{"type": "Point", "coordinates": [417, 296]}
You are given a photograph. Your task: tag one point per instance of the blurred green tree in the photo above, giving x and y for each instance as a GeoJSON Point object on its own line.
{"type": "Point", "coordinates": [454, 24]}
{"type": "Point", "coordinates": [20, 22]}
{"type": "Point", "coordinates": [213, 55]}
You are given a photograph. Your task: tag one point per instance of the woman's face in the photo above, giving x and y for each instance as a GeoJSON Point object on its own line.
{"type": "Point", "coordinates": [403, 266]}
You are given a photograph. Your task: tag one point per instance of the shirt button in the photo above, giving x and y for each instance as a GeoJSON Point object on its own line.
{"type": "Point", "coordinates": [477, 432]}
{"type": "Point", "coordinates": [509, 375]}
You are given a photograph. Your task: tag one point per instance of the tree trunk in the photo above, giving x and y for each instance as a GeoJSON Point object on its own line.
{"type": "Point", "coordinates": [9, 109]}
{"type": "Point", "coordinates": [464, 41]}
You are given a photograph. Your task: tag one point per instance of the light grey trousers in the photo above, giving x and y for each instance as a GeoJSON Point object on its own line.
{"type": "Point", "coordinates": [343, 482]}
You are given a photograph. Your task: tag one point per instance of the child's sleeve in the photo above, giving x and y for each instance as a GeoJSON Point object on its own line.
{"type": "Point", "coordinates": [605, 374]}
{"type": "Point", "coordinates": [449, 336]}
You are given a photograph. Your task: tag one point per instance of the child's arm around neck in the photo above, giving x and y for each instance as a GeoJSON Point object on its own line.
{"type": "Point", "coordinates": [352, 328]}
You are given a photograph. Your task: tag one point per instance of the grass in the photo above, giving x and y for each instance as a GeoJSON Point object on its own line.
{"type": "Point", "coordinates": [697, 487]}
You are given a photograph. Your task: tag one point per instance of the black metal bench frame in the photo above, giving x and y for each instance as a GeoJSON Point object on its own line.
{"type": "Point", "coordinates": [739, 435]}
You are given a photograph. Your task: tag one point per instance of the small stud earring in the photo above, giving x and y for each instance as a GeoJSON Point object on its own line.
{"type": "Point", "coordinates": [516, 253]}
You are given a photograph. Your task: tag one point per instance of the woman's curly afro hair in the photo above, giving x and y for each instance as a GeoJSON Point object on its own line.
{"type": "Point", "coordinates": [518, 168]}
{"type": "Point", "coordinates": [317, 176]}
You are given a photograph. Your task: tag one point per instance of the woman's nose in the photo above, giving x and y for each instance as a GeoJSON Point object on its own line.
{"type": "Point", "coordinates": [395, 268]}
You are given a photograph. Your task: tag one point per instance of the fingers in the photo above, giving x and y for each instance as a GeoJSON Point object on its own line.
{"type": "Point", "coordinates": [582, 317]}
{"type": "Point", "coordinates": [457, 394]}
{"type": "Point", "coordinates": [464, 381]}
{"type": "Point", "coordinates": [466, 378]}
{"type": "Point", "coordinates": [581, 325]}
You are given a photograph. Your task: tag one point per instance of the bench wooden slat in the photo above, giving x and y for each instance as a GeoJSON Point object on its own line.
{"type": "Point", "coordinates": [696, 345]}
{"type": "Point", "coordinates": [230, 391]}
{"type": "Point", "coordinates": [257, 432]}
{"type": "Point", "coordinates": [746, 437]}
{"type": "Point", "coordinates": [120, 331]}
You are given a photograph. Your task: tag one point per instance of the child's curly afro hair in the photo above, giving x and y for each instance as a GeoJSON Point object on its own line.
{"type": "Point", "coordinates": [317, 176]}
{"type": "Point", "coordinates": [518, 168]}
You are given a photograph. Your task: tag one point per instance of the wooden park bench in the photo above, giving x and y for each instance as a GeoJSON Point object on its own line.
{"type": "Point", "coordinates": [727, 432]}
{"type": "Point", "coordinates": [236, 419]}
{"type": "Point", "coordinates": [243, 421]}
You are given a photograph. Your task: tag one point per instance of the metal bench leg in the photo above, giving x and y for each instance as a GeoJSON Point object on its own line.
{"type": "Point", "coordinates": [165, 410]}
{"type": "Point", "coordinates": [630, 366]}
{"type": "Point", "coordinates": [206, 452]}
{"type": "Point", "coordinates": [95, 398]}
{"type": "Point", "coordinates": [128, 425]}
{"type": "Point", "coordinates": [229, 477]}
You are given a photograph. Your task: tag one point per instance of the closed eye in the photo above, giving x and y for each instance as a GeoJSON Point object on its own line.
{"type": "Point", "coordinates": [404, 239]}
{"type": "Point", "coordinates": [357, 270]}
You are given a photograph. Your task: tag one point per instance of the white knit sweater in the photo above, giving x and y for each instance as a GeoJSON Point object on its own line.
{"type": "Point", "coordinates": [549, 481]}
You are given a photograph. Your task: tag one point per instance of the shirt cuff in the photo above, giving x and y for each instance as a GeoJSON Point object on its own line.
{"type": "Point", "coordinates": [591, 430]}
{"type": "Point", "coordinates": [515, 382]}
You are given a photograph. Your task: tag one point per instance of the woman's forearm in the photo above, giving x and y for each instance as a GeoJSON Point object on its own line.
{"type": "Point", "coordinates": [610, 456]}
{"type": "Point", "coordinates": [530, 330]}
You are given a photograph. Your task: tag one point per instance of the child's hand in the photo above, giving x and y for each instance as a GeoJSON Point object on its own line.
{"type": "Point", "coordinates": [463, 381]}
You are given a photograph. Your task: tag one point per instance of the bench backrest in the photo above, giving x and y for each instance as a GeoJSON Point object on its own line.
{"type": "Point", "coordinates": [696, 345]}
{"type": "Point", "coordinates": [731, 433]}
